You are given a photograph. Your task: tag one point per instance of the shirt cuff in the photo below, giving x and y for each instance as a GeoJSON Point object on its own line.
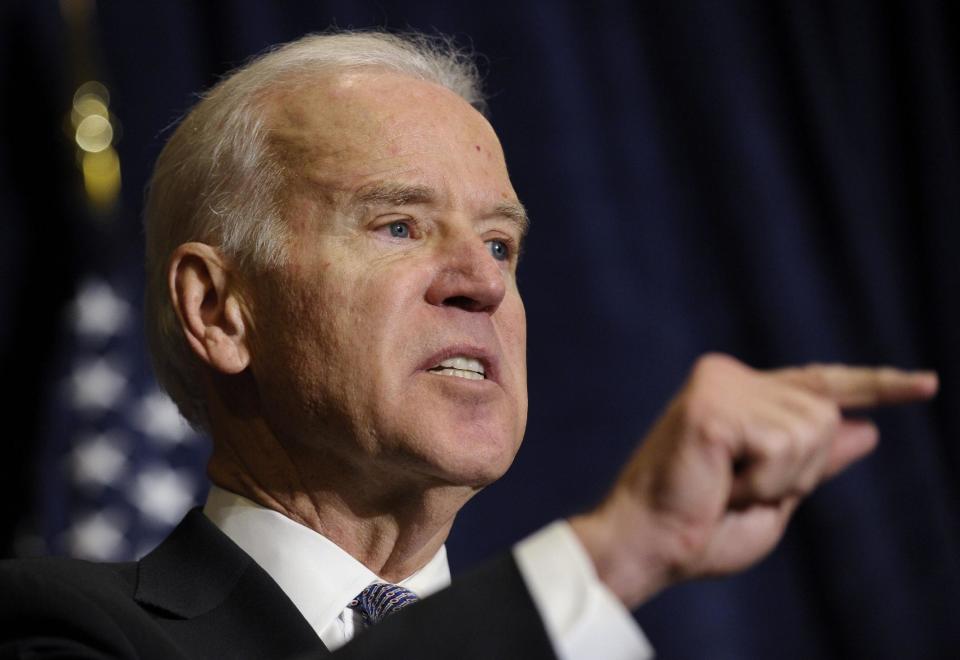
{"type": "Point", "coordinates": [582, 617]}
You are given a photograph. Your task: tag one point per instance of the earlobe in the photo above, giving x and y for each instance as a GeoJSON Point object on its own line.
{"type": "Point", "coordinates": [209, 306]}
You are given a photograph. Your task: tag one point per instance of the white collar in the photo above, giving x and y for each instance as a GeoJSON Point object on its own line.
{"type": "Point", "coordinates": [315, 573]}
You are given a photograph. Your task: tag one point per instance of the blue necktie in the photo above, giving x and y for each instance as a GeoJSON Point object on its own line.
{"type": "Point", "coordinates": [380, 600]}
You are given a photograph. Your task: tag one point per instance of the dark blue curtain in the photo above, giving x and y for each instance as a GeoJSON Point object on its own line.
{"type": "Point", "coordinates": [778, 180]}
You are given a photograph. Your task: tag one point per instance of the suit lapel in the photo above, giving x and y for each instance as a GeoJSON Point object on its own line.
{"type": "Point", "coordinates": [215, 600]}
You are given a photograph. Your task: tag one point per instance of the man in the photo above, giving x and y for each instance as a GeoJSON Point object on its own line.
{"type": "Point", "coordinates": [332, 244]}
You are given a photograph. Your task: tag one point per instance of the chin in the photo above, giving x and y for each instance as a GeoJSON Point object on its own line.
{"type": "Point", "coordinates": [479, 474]}
{"type": "Point", "coordinates": [475, 457]}
{"type": "Point", "coordinates": [464, 433]}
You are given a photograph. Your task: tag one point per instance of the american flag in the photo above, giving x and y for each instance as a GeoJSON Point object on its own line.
{"type": "Point", "coordinates": [120, 466]}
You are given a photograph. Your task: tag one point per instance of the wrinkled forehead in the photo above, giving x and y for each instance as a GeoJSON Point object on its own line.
{"type": "Point", "coordinates": [335, 123]}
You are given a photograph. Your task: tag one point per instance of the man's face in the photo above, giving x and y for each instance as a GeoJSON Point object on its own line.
{"type": "Point", "coordinates": [394, 338]}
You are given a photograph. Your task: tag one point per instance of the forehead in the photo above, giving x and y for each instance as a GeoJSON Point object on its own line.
{"type": "Point", "coordinates": [350, 125]}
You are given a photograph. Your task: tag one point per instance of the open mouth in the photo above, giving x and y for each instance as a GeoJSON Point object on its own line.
{"type": "Point", "coordinates": [460, 366]}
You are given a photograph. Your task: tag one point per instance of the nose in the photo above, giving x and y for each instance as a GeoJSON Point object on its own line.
{"type": "Point", "coordinates": [468, 278]}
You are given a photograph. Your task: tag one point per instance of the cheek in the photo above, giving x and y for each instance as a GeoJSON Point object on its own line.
{"type": "Point", "coordinates": [381, 308]}
{"type": "Point", "coordinates": [302, 323]}
{"type": "Point", "coordinates": [520, 345]}
{"type": "Point", "coordinates": [514, 334]}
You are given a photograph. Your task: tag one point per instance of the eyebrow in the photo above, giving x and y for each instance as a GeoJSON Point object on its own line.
{"type": "Point", "coordinates": [394, 194]}
{"type": "Point", "coordinates": [517, 213]}
{"type": "Point", "coordinates": [400, 194]}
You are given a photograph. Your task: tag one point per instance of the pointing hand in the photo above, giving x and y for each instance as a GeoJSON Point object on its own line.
{"type": "Point", "coordinates": [713, 485]}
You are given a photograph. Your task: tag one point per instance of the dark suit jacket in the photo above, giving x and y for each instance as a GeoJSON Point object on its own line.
{"type": "Point", "coordinates": [198, 595]}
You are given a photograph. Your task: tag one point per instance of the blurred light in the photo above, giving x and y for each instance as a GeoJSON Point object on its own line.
{"type": "Point", "coordinates": [101, 177]}
{"type": "Point", "coordinates": [95, 131]}
{"type": "Point", "coordinates": [94, 89]}
{"type": "Point", "coordinates": [94, 134]}
{"type": "Point", "coordinates": [87, 106]}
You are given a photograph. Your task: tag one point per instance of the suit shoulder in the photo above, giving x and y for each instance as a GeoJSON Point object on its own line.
{"type": "Point", "coordinates": [75, 607]}
{"type": "Point", "coordinates": [66, 568]}
{"type": "Point", "coordinates": [120, 577]}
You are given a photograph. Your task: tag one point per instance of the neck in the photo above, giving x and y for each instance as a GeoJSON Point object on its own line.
{"type": "Point", "coordinates": [393, 526]}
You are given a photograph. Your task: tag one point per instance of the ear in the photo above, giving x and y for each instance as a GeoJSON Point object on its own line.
{"type": "Point", "coordinates": [209, 307]}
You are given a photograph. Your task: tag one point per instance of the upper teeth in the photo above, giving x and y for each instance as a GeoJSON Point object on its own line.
{"type": "Point", "coordinates": [462, 366]}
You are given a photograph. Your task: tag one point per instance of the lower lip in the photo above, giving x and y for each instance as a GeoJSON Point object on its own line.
{"type": "Point", "coordinates": [452, 377]}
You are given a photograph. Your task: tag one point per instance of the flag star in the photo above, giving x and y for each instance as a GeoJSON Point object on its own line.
{"type": "Point", "coordinates": [98, 460]}
{"type": "Point", "coordinates": [162, 493]}
{"type": "Point", "coordinates": [157, 416]}
{"type": "Point", "coordinates": [96, 385]}
{"type": "Point", "coordinates": [98, 312]}
{"type": "Point", "coordinates": [97, 536]}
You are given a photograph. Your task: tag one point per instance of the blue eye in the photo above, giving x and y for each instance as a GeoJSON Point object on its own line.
{"type": "Point", "coordinates": [499, 250]}
{"type": "Point", "coordinates": [400, 230]}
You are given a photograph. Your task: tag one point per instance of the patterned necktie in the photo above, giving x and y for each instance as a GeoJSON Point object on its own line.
{"type": "Point", "coordinates": [380, 600]}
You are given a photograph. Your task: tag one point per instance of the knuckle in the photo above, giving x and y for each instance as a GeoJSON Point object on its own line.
{"type": "Point", "coordinates": [714, 431]}
{"type": "Point", "coordinates": [704, 416]}
{"type": "Point", "coordinates": [789, 443]}
{"type": "Point", "coordinates": [770, 446]}
{"type": "Point", "coordinates": [712, 375]}
{"type": "Point", "coordinates": [790, 446]}
{"type": "Point", "coordinates": [884, 377]}
{"type": "Point", "coordinates": [713, 363]}
{"type": "Point", "coordinates": [817, 379]}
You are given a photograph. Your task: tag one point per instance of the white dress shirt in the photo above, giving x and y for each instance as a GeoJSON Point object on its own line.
{"type": "Point", "coordinates": [582, 618]}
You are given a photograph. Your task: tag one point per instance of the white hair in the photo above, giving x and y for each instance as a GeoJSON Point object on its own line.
{"type": "Point", "coordinates": [216, 180]}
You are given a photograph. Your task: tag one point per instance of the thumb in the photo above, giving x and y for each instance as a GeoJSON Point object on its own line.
{"type": "Point", "coordinates": [855, 439]}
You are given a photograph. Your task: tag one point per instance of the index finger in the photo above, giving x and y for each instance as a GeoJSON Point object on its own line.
{"type": "Point", "coordinates": [862, 387]}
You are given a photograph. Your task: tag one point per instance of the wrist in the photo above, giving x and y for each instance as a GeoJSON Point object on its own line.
{"type": "Point", "coordinates": [623, 557]}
